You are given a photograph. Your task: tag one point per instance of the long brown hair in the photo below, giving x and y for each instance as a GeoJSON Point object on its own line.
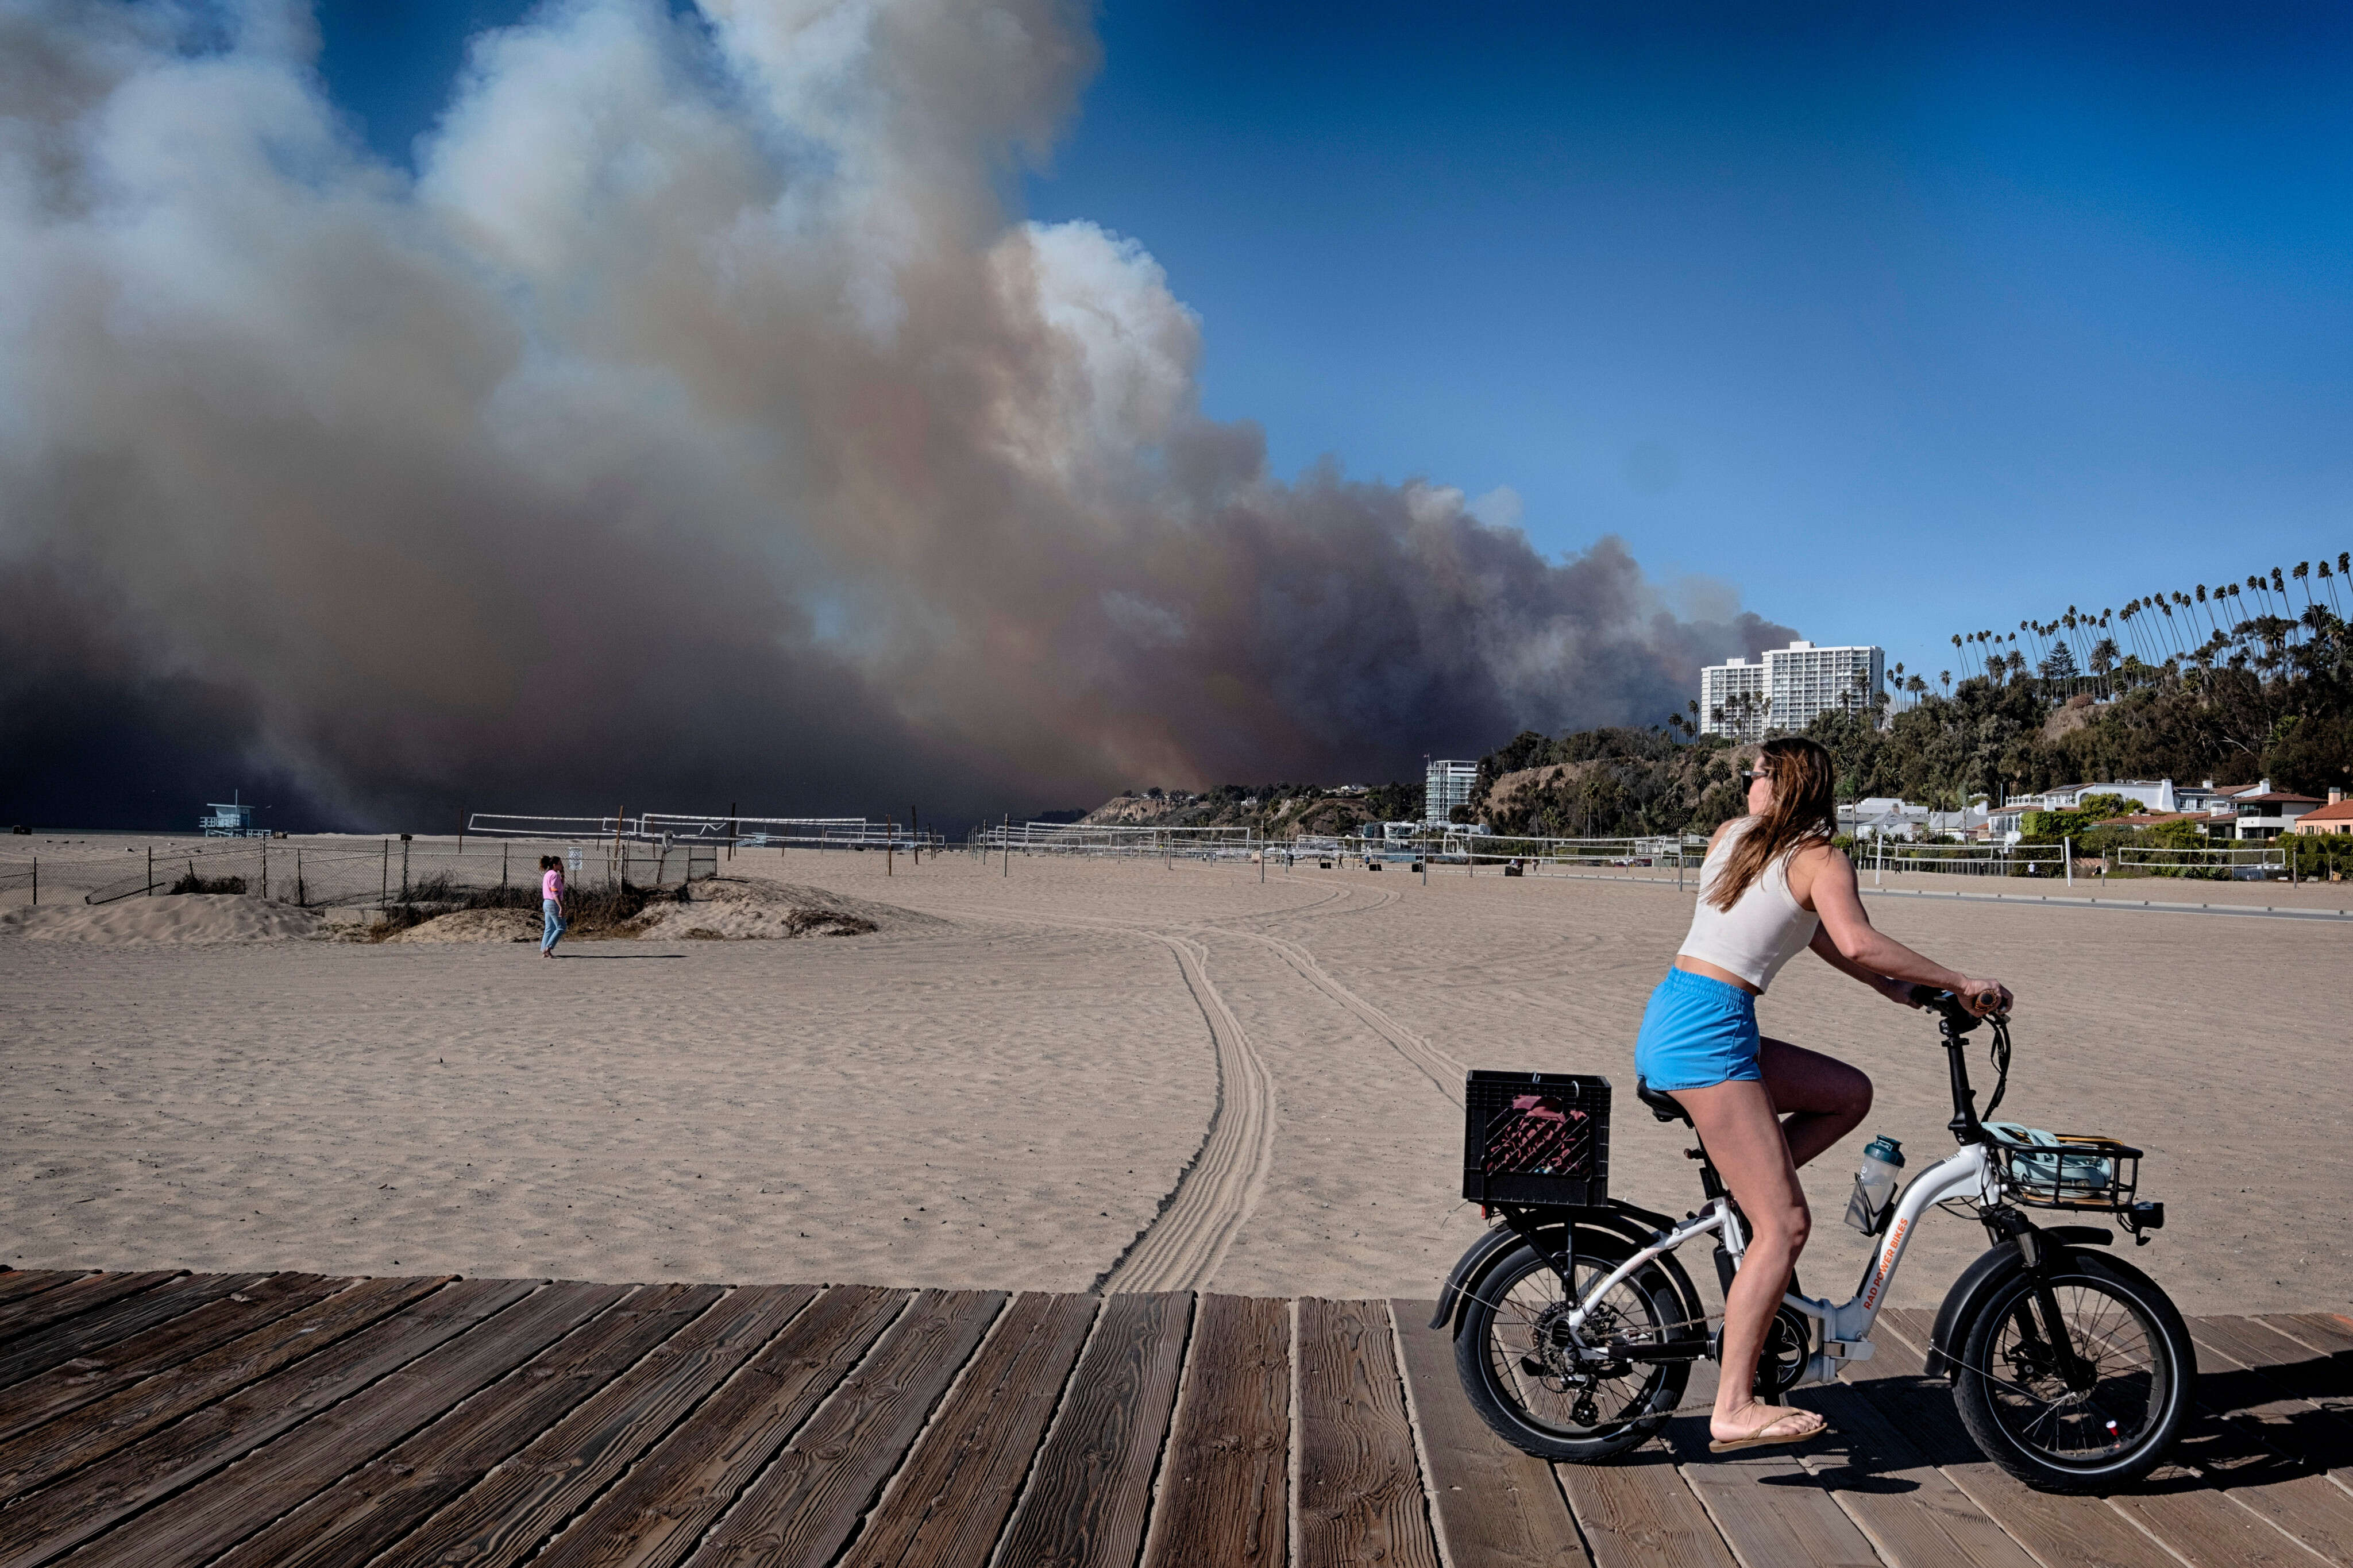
{"type": "Point", "coordinates": [1803, 811]}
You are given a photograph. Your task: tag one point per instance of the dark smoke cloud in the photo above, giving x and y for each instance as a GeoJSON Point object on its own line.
{"type": "Point", "coordinates": [695, 426]}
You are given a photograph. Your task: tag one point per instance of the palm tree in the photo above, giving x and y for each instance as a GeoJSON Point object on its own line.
{"type": "Point", "coordinates": [1945, 679]}
{"type": "Point", "coordinates": [2316, 618]}
{"type": "Point", "coordinates": [2302, 567]}
{"type": "Point", "coordinates": [2104, 659]}
{"type": "Point", "coordinates": [2328, 585]}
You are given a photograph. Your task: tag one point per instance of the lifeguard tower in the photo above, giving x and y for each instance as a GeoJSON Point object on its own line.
{"type": "Point", "coordinates": [233, 820]}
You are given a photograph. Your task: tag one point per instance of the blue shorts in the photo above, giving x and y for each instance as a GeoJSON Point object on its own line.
{"type": "Point", "coordinates": [1697, 1032]}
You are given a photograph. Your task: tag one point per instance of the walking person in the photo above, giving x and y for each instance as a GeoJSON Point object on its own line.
{"type": "Point", "coordinates": [551, 903]}
{"type": "Point", "coordinates": [1772, 883]}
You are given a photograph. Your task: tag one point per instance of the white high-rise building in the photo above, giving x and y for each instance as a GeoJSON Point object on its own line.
{"type": "Point", "coordinates": [1789, 688]}
{"type": "Point", "coordinates": [1731, 700]}
{"type": "Point", "coordinates": [1447, 785]}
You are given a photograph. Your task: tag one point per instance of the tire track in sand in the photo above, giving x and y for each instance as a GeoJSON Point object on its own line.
{"type": "Point", "coordinates": [1216, 1193]}
{"type": "Point", "coordinates": [1444, 1070]}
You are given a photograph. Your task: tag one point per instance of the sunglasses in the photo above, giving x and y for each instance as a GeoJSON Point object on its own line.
{"type": "Point", "coordinates": [1751, 775]}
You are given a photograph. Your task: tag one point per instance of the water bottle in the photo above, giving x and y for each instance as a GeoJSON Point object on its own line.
{"type": "Point", "coordinates": [1874, 1185]}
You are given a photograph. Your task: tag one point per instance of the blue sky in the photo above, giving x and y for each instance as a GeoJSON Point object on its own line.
{"type": "Point", "coordinates": [1903, 324]}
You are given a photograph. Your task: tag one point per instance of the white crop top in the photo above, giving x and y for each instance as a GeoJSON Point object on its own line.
{"type": "Point", "coordinates": [1759, 933]}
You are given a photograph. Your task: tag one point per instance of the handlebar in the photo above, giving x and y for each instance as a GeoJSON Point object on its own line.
{"type": "Point", "coordinates": [1949, 1004]}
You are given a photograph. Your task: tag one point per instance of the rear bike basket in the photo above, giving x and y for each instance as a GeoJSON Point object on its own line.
{"type": "Point", "coordinates": [1535, 1138]}
{"type": "Point", "coordinates": [2074, 1171]}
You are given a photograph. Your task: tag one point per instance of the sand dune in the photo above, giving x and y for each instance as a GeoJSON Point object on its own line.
{"type": "Point", "coordinates": [182, 921]}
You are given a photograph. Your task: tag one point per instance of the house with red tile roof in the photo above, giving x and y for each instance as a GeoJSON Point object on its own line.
{"type": "Point", "coordinates": [2336, 816]}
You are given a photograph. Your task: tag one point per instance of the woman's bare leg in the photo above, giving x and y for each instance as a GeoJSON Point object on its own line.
{"type": "Point", "coordinates": [1822, 1100]}
{"type": "Point", "coordinates": [1736, 1122]}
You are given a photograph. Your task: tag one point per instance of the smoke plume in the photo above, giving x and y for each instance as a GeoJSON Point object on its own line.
{"type": "Point", "coordinates": [695, 424]}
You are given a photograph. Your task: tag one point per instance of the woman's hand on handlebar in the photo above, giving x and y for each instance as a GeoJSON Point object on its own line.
{"type": "Point", "coordinates": [1985, 998]}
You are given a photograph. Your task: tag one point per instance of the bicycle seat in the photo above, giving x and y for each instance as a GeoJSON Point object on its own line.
{"type": "Point", "coordinates": [1665, 1107]}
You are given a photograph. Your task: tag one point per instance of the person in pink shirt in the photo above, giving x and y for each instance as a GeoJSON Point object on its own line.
{"type": "Point", "coordinates": [551, 899]}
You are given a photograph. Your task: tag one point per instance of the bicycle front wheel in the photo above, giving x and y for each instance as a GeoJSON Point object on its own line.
{"type": "Point", "coordinates": [1520, 1366]}
{"type": "Point", "coordinates": [2115, 1423]}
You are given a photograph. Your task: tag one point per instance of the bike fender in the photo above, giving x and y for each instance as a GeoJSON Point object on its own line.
{"type": "Point", "coordinates": [1993, 1265]}
{"type": "Point", "coordinates": [1473, 1263]}
{"type": "Point", "coordinates": [1977, 1280]}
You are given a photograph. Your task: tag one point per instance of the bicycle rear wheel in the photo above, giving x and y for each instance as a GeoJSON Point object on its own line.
{"type": "Point", "coordinates": [2018, 1407]}
{"type": "Point", "coordinates": [1518, 1365]}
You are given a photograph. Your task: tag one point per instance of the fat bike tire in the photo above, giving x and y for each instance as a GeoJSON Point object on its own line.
{"type": "Point", "coordinates": [1501, 1365]}
{"type": "Point", "coordinates": [2019, 1410]}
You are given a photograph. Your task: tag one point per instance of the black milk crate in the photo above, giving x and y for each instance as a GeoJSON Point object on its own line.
{"type": "Point", "coordinates": [1535, 1138]}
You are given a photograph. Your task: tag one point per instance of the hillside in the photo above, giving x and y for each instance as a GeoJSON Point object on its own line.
{"type": "Point", "coordinates": [2282, 711]}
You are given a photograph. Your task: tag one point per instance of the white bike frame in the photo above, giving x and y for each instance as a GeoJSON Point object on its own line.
{"type": "Point", "coordinates": [1846, 1325]}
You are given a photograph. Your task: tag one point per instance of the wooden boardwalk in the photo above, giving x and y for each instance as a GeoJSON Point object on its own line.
{"type": "Point", "coordinates": [284, 1418]}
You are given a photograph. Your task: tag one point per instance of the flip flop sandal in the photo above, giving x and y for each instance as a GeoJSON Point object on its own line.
{"type": "Point", "coordinates": [1764, 1436]}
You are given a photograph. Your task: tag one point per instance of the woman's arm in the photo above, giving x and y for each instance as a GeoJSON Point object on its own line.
{"type": "Point", "coordinates": [1827, 950]}
{"type": "Point", "coordinates": [1850, 943]}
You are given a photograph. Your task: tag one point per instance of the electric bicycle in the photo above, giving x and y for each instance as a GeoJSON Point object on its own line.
{"type": "Point", "coordinates": [1575, 1326]}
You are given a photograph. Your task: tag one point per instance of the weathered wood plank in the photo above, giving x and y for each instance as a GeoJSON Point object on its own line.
{"type": "Point", "coordinates": [657, 1512]}
{"type": "Point", "coordinates": [2307, 1389]}
{"type": "Point", "coordinates": [383, 1499]}
{"type": "Point", "coordinates": [96, 1498]}
{"type": "Point", "coordinates": [22, 1318]}
{"type": "Point", "coordinates": [20, 1282]}
{"type": "Point", "coordinates": [948, 1507]}
{"type": "Point", "coordinates": [1494, 1504]}
{"type": "Point", "coordinates": [504, 1518]}
{"type": "Point", "coordinates": [40, 1456]}
{"type": "Point", "coordinates": [203, 1521]}
{"type": "Point", "coordinates": [1890, 1485]}
{"type": "Point", "coordinates": [1767, 1508]}
{"type": "Point", "coordinates": [2204, 1507]}
{"type": "Point", "coordinates": [2072, 1529]}
{"type": "Point", "coordinates": [1360, 1492]}
{"type": "Point", "coordinates": [1636, 1512]}
{"type": "Point", "coordinates": [2205, 1526]}
{"type": "Point", "coordinates": [1087, 1502]}
{"type": "Point", "coordinates": [2329, 1331]}
{"type": "Point", "coordinates": [85, 1379]}
{"type": "Point", "coordinates": [809, 1502]}
{"type": "Point", "coordinates": [2243, 1384]}
{"type": "Point", "coordinates": [1225, 1486]}
{"type": "Point", "coordinates": [87, 1334]}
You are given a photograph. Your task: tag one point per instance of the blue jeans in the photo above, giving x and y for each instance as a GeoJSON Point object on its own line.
{"type": "Point", "coordinates": [554, 925]}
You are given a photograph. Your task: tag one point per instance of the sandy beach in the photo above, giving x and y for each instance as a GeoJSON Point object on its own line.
{"type": "Point", "coordinates": [1084, 1073]}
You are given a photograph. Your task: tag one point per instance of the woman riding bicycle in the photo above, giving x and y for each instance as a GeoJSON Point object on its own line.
{"type": "Point", "coordinates": [1772, 883]}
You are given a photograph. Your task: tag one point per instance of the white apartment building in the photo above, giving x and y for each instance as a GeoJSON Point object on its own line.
{"type": "Point", "coordinates": [1447, 785]}
{"type": "Point", "coordinates": [1789, 688]}
{"type": "Point", "coordinates": [1731, 700]}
